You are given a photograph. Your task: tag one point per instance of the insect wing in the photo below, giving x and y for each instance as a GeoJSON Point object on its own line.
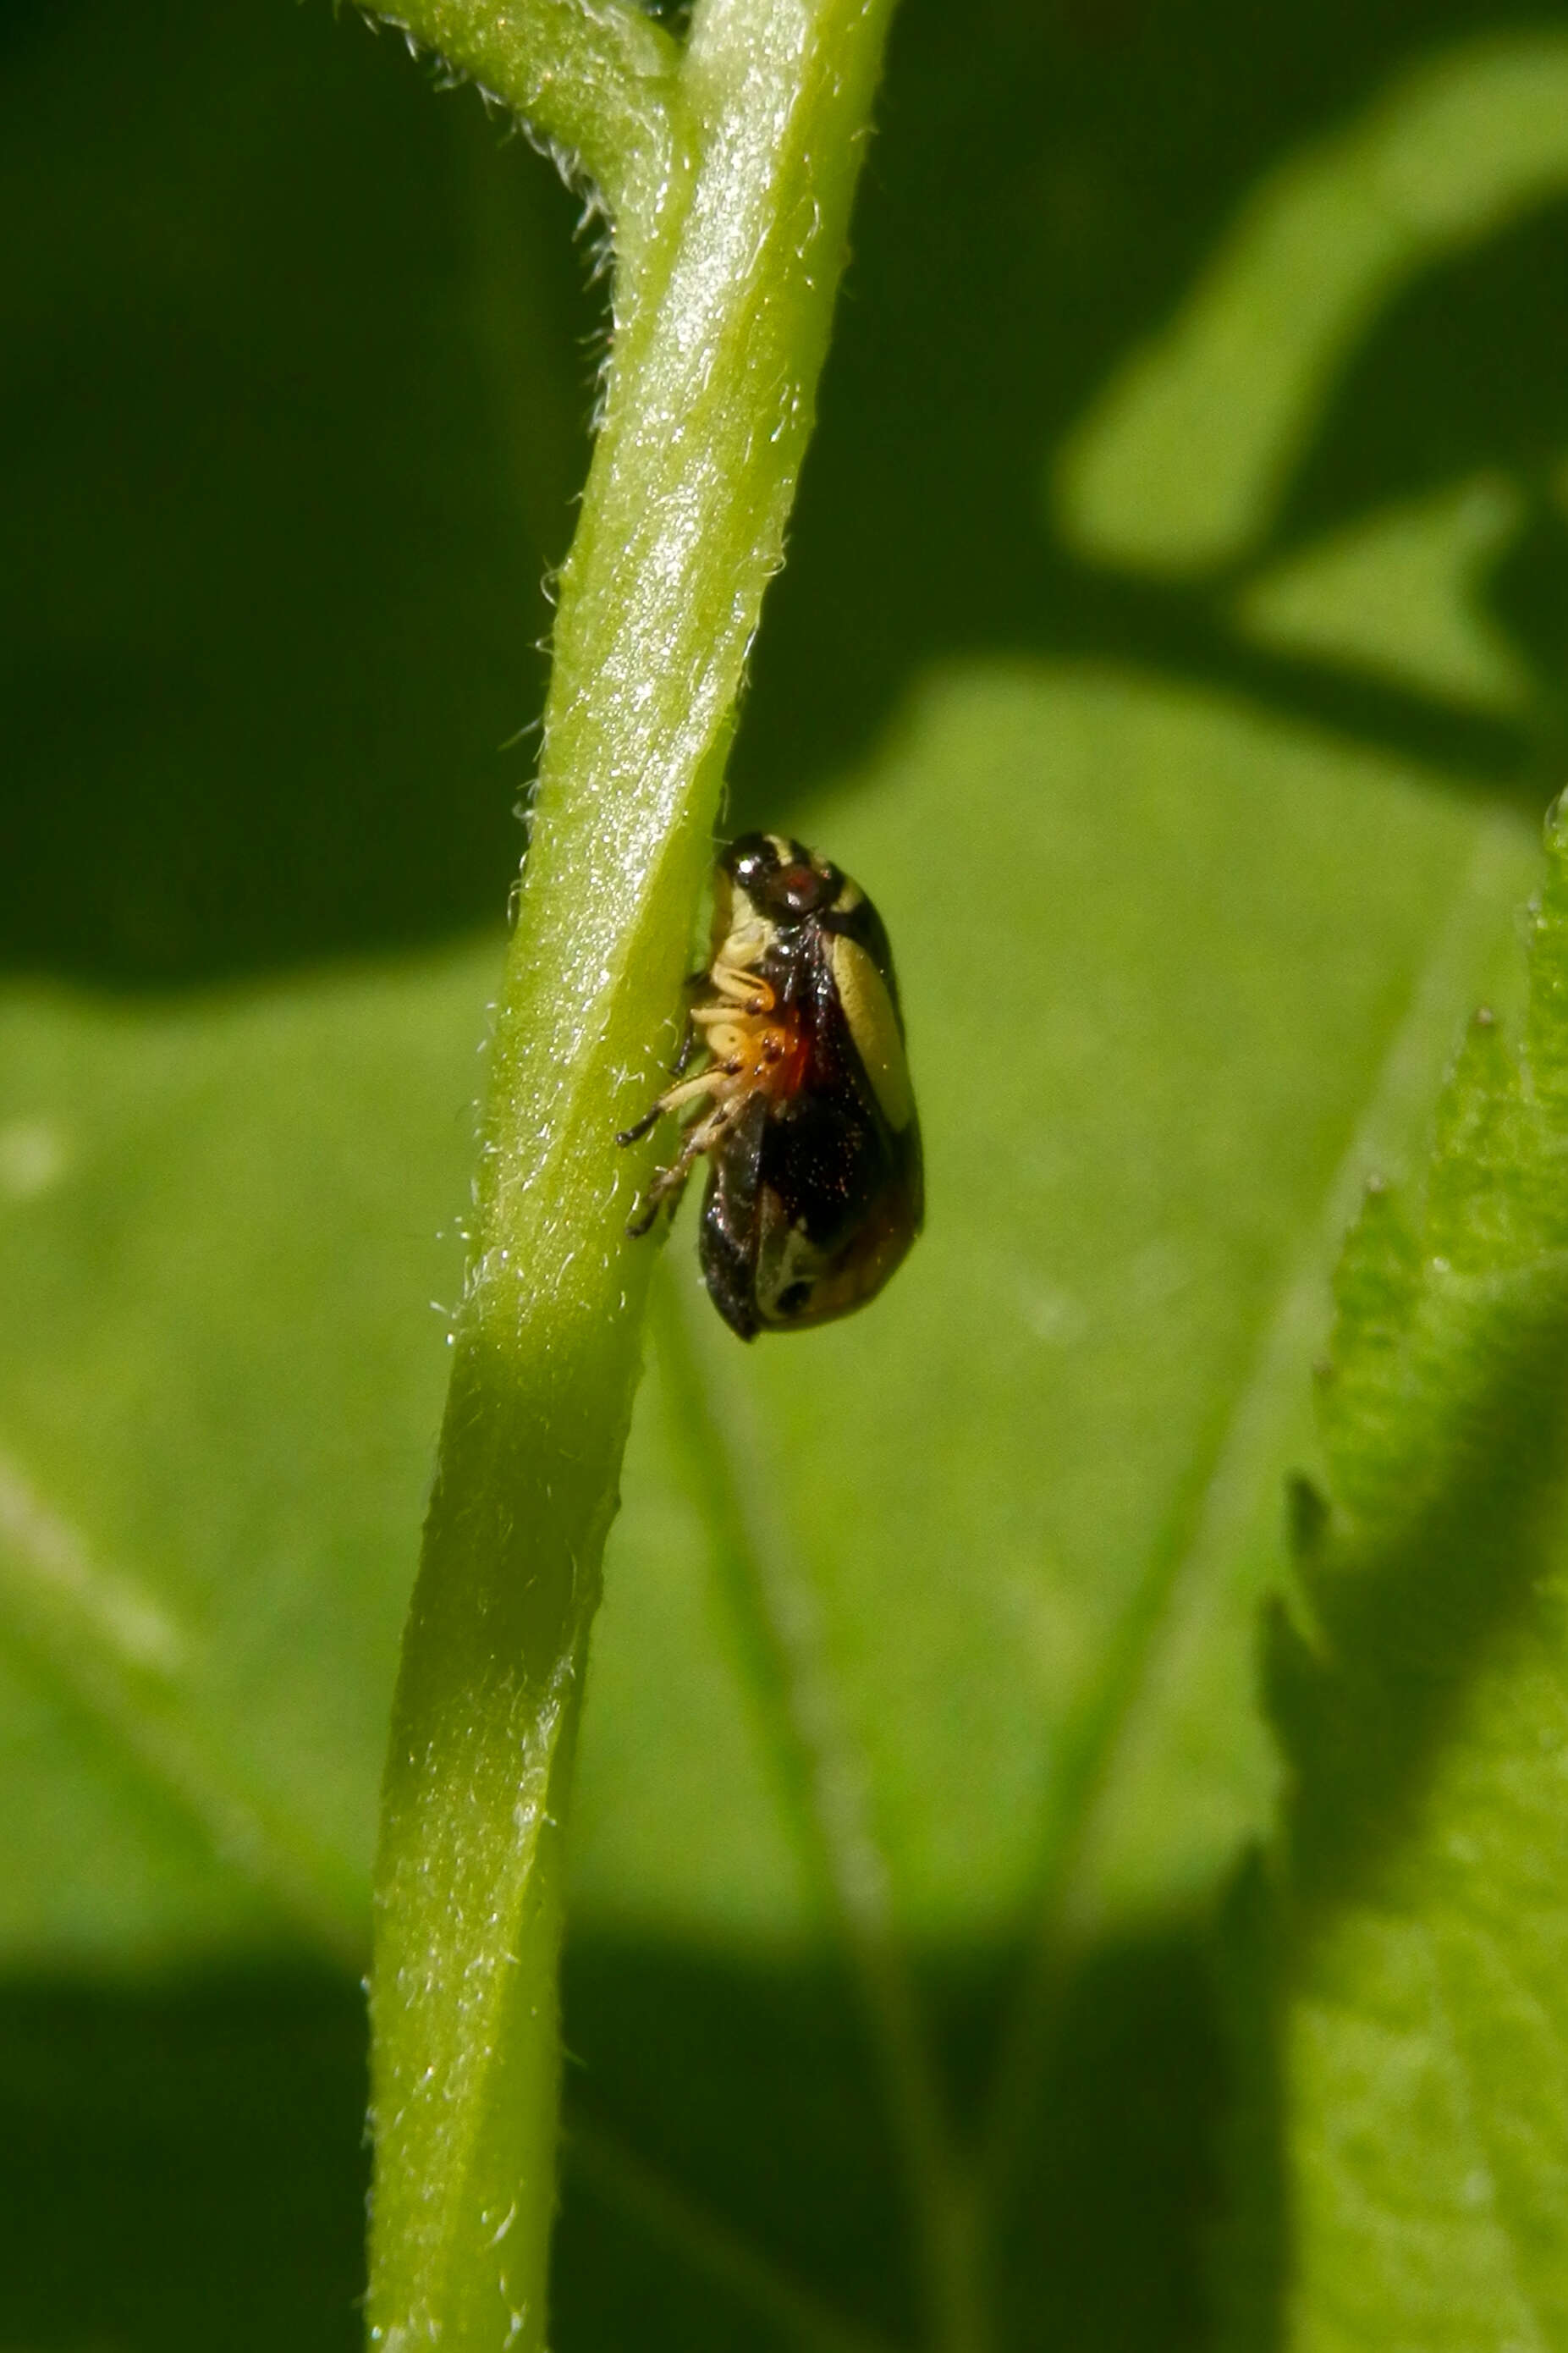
{"type": "Point", "coordinates": [839, 1186]}
{"type": "Point", "coordinates": [728, 1243]}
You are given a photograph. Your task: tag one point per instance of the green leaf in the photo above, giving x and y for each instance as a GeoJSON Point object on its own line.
{"type": "Point", "coordinates": [1189, 451]}
{"type": "Point", "coordinates": [1423, 2039]}
{"type": "Point", "coordinates": [1397, 595]}
{"type": "Point", "coordinates": [822, 1752]}
{"type": "Point", "coordinates": [922, 1733]}
{"type": "Point", "coordinates": [209, 1283]}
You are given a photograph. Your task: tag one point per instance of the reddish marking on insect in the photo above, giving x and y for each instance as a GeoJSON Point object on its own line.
{"type": "Point", "coordinates": [784, 1056]}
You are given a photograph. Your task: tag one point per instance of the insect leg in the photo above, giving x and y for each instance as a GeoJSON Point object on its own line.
{"type": "Point", "coordinates": [654, 1200]}
{"type": "Point", "coordinates": [708, 1081]}
{"type": "Point", "coordinates": [670, 1183]}
{"type": "Point", "coordinates": [746, 989]}
{"type": "Point", "coordinates": [688, 1037]}
{"type": "Point", "coordinates": [643, 1126]}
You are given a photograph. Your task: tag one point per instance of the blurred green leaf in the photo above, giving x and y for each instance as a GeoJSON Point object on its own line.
{"type": "Point", "coordinates": [222, 1381]}
{"type": "Point", "coordinates": [1400, 593]}
{"type": "Point", "coordinates": [924, 1647]}
{"type": "Point", "coordinates": [922, 1732]}
{"type": "Point", "coordinates": [1187, 455]}
{"type": "Point", "coordinates": [293, 413]}
{"type": "Point", "coordinates": [1423, 2031]}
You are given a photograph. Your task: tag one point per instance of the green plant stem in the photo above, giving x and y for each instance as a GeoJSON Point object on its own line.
{"type": "Point", "coordinates": [720, 332]}
{"type": "Point", "coordinates": [594, 77]}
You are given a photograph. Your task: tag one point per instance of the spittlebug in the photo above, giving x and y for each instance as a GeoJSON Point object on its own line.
{"type": "Point", "coordinates": [814, 1189]}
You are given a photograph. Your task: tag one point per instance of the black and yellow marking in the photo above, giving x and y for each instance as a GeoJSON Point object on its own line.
{"type": "Point", "coordinates": [803, 1107]}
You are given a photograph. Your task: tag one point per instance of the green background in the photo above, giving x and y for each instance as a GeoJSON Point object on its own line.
{"type": "Point", "coordinates": [1172, 643]}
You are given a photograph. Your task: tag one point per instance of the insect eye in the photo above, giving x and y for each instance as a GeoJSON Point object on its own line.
{"type": "Point", "coordinates": [752, 871]}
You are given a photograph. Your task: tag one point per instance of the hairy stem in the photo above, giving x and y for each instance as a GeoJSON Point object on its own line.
{"type": "Point", "coordinates": [595, 76]}
{"type": "Point", "coordinates": [719, 330]}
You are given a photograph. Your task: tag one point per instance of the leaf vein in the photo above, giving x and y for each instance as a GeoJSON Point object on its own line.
{"type": "Point", "coordinates": [121, 1657]}
{"type": "Point", "coordinates": [614, 2172]}
{"type": "Point", "coordinates": [1210, 1513]}
{"type": "Point", "coordinates": [771, 1595]}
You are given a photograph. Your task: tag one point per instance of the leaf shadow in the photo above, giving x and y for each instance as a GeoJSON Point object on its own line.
{"type": "Point", "coordinates": [181, 2163]}
{"type": "Point", "coordinates": [1365, 1703]}
{"type": "Point", "coordinates": [184, 2163]}
{"type": "Point", "coordinates": [920, 536]}
{"type": "Point", "coordinates": [271, 655]}
{"type": "Point", "coordinates": [1407, 1616]}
